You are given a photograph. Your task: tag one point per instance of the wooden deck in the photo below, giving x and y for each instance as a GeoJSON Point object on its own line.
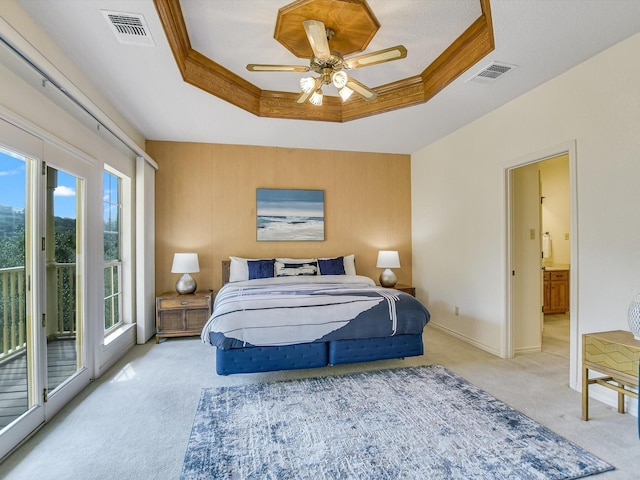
{"type": "Point", "coordinates": [61, 363]}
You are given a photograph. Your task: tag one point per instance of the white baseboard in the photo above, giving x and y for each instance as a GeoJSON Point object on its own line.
{"type": "Point", "coordinates": [466, 339]}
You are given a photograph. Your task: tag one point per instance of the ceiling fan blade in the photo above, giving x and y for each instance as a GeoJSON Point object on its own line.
{"type": "Point", "coordinates": [373, 58]}
{"type": "Point", "coordinates": [253, 67]}
{"type": "Point", "coordinates": [317, 35]}
{"type": "Point", "coordinates": [361, 89]}
{"type": "Point", "coordinates": [304, 95]}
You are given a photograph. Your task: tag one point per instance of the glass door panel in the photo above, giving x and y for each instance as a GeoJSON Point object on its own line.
{"type": "Point", "coordinates": [42, 304]}
{"type": "Point", "coordinates": [16, 341]}
{"type": "Point", "coordinates": [63, 315]}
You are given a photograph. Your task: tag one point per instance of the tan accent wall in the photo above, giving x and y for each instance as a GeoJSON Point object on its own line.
{"type": "Point", "coordinates": [206, 203]}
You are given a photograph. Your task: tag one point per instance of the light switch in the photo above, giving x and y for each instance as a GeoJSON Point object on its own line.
{"type": "Point", "coordinates": [532, 234]}
{"type": "Point", "coordinates": [566, 236]}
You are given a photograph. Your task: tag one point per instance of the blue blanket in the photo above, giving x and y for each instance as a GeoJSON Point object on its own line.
{"type": "Point", "coordinates": [292, 310]}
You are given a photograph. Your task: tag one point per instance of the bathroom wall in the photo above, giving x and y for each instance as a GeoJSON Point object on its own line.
{"type": "Point", "coordinates": [555, 209]}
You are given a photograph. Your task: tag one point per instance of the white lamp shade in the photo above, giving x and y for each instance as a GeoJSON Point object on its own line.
{"type": "Point", "coordinates": [185, 263]}
{"type": "Point", "coordinates": [388, 259]}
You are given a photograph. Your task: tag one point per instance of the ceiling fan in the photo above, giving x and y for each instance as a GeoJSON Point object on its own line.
{"type": "Point", "coordinates": [331, 66]}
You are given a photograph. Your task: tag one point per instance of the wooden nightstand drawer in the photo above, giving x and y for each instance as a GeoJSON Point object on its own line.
{"type": "Point", "coordinates": [183, 301]}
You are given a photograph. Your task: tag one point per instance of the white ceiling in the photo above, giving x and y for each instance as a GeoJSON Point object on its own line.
{"type": "Point", "coordinates": [544, 38]}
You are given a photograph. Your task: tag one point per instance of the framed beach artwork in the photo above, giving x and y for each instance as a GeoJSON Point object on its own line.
{"type": "Point", "coordinates": [289, 215]}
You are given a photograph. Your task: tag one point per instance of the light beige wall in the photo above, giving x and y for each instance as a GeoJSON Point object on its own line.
{"type": "Point", "coordinates": [459, 202]}
{"type": "Point", "coordinates": [206, 202]}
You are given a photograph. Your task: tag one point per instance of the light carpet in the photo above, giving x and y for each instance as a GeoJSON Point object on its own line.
{"type": "Point", "coordinates": [410, 423]}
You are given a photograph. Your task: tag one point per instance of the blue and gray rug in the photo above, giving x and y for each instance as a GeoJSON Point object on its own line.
{"type": "Point", "coordinates": [410, 423]}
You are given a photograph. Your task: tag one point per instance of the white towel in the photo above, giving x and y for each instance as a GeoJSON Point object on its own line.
{"type": "Point", "coordinates": [546, 246]}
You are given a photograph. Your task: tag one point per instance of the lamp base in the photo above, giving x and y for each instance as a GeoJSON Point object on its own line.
{"type": "Point", "coordinates": [186, 284]}
{"type": "Point", "coordinates": [388, 279]}
{"type": "Point", "coordinates": [633, 317]}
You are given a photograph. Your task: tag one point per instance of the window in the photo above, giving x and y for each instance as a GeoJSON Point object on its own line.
{"type": "Point", "coordinates": [112, 212]}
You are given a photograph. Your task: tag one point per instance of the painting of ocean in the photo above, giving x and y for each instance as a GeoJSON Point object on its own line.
{"type": "Point", "coordinates": [285, 215]}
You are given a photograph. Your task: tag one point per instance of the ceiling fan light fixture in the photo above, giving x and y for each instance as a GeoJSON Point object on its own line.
{"type": "Point", "coordinates": [316, 98]}
{"type": "Point", "coordinates": [307, 84]}
{"type": "Point", "coordinates": [329, 65]}
{"type": "Point", "coordinates": [345, 93]}
{"type": "Point", "coordinates": [339, 79]}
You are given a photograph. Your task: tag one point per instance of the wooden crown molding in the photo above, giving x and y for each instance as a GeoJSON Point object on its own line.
{"type": "Point", "coordinates": [200, 71]}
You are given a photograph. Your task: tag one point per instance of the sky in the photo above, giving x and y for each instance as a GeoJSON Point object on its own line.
{"type": "Point", "coordinates": [277, 202]}
{"type": "Point", "coordinates": [13, 186]}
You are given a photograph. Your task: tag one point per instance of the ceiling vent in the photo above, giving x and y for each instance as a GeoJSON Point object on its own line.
{"type": "Point", "coordinates": [129, 28]}
{"type": "Point", "coordinates": [492, 72]}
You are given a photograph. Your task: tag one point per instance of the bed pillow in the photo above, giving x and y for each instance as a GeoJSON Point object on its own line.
{"type": "Point", "coordinates": [331, 266]}
{"type": "Point", "coordinates": [260, 268]}
{"type": "Point", "coordinates": [350, 264]}
{"type": "Point", "coordinates": [239, 268]}
{"type": "Point", "coordinates": [290, 267]}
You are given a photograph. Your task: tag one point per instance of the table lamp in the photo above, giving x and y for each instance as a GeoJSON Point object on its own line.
{"type": "Point", "coordinates": [185, 263]}
{"type": "Point", "coordinates": [388, 259]}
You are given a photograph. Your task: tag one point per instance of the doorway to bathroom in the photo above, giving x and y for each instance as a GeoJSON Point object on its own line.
{"type": "Point", "coordinates": [555, 217]}
{"type": "Point", "coordinates": [541, 224]}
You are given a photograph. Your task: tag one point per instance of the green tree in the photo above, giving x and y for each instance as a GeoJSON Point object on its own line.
{"type": "Point", "coordinates": [12, 247]}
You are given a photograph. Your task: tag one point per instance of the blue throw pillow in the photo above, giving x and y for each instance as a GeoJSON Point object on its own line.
{"type": "Point", "coordinates": [260, 268]}
{"type": "Point", "coordinates": [331, 266]}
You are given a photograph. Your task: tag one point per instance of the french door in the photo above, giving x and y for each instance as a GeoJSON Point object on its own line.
{"type": "Point", "coordinates": [42, 282]}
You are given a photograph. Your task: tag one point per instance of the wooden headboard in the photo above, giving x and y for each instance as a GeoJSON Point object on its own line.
{"type": "Point", "coordinates": [226, 270]}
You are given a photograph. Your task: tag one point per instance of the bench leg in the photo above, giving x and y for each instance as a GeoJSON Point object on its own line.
{"type": "Point", "coordinates": [585, 393]}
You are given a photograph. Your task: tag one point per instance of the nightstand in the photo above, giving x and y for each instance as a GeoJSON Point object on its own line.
{"type": "Point", "coordinates": [616, 355]}
{"type": "Point", "coordinates": [406, 289]}
{"type": "Point", "coordinates": [182, 315]}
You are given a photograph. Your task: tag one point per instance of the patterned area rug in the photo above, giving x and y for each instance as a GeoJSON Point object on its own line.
{"type": "Point", "coordinates": [409, 423]}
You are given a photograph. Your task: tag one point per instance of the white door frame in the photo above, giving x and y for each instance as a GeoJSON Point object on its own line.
{"type": "Point", "coordinates": [568, 148]}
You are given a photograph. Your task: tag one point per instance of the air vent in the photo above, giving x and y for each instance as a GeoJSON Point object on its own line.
{"type": "Point", "coordinates": [129, 28]}
{"type": "Point", "coordinates": [492, 72]}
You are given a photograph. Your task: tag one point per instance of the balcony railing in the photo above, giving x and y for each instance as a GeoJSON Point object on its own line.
{"type": "Point", "coordinates": [13, 315]}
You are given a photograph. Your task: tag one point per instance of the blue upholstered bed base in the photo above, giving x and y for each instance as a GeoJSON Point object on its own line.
{"type": "Point", "coordinates": [313, 355]}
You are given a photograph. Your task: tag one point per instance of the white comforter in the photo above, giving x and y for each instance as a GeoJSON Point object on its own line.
{"type": "Point", "coordinates": [258, 312]}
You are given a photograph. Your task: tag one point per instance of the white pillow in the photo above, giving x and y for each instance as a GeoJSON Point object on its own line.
{"type": "Point", "coordinates": [239, 268]}
{"type": "Point", "coordinates": [350, 264]}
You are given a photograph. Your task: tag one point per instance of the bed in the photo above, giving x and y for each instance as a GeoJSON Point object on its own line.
{"type": "Point", "coordinates": [284, 314]}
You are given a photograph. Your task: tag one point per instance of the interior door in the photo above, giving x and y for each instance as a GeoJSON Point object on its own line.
{"type": "Point", "coordinates": [526, 268]}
